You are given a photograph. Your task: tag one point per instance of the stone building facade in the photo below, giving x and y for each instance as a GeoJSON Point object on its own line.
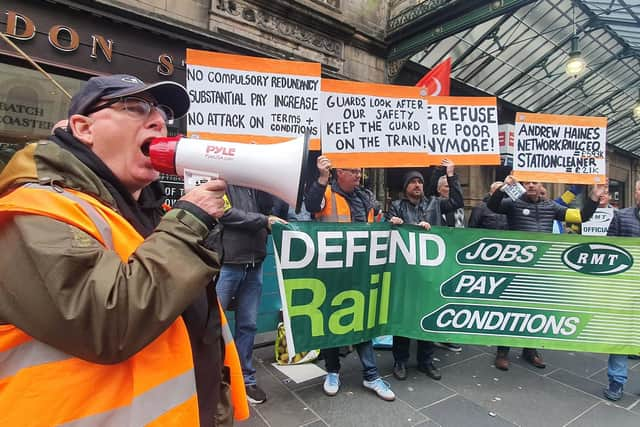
{"type": "Point", "coordinates": [149, 38]}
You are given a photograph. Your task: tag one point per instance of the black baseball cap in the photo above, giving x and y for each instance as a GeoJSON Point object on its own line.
{"type": "Point", "coordinates": [168, 93]}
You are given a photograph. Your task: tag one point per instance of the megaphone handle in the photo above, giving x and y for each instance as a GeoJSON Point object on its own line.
{"type": "Point", "coordinates": [193, 178]}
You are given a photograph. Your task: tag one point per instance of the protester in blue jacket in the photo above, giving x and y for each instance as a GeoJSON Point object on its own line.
{"type": "Point", "coordinates": [625, 223]}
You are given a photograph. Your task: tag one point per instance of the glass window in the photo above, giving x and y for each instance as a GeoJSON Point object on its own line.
{"type": "Point", "coordinates": [29, 106]}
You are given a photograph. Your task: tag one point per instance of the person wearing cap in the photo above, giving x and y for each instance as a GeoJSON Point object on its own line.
{"type": "Point", "coordinates": [107, 310]}
{"type": "Point", "coordinates": [416, 208]}
{"type": "Point", "coordinates": [343, 200]}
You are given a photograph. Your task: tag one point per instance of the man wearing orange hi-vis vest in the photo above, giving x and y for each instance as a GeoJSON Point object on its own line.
{"type": "Point", "coordinates": [108, 315]}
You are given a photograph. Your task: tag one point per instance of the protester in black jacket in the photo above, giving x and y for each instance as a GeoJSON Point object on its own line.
{"type": "Point", "coordinates": [483, 217]}
{"type": "Point", "coordinates": [417, 209]}
{"type": "Point", "coordinates": [244, 237]}
{"type": "Point", "coordinates": [533, 213]}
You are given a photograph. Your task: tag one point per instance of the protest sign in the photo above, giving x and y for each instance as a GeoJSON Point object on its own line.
{"type": "Point", "coordinates": [598, 225]}
{"type": "Point", "coordinates": [247, 99]}
{"type": "Point", "coordinates": [506, 139]}
{"type": "Point", "coordinates": [464, 130]}
{"type": "Point", "coordinates": [173, 188]}
{"type": "Point", "coordinates": [566, 149]}
{"type": "Point", "coordinates": [346, 283]}
{"type": "Point", "coordinates": [373, 125]}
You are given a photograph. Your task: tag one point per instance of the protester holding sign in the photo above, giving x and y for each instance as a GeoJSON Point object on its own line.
{"type": "Point", "coordinates": [415, 208]}
{"type": "Point", "coordinates": [625, 223]}
{"type": "Point", "coordinates": [599, 222]}
{"type": "Point", "coordinates": [344, 201]}
{"type": "Point", "coordinates": [530, 212]}
{"type": "Point", "coordinates": [455, 218]}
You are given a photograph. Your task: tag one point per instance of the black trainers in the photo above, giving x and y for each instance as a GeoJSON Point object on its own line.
{"type": "Point", "coordinates": [400, 371]}
{"type": "Point", "coordinates": [255, 394]}
{"type": "Point", "coordinates": [430, 370]}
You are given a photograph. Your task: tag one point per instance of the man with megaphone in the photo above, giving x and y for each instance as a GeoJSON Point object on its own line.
{"type": "Point", "coordinates": [105, 315]}
{"type": "Point", "coordinates": [344, 201]}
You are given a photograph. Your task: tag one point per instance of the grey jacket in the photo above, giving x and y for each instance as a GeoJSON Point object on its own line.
{"type": "Point", "coordinates": [244, 235]}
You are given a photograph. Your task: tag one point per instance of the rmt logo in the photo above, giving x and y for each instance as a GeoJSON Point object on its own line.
{"type": "Point", "coordinates": [597, 259]}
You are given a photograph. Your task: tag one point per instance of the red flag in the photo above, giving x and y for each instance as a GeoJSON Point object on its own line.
{"type": "Point", "coordinates": [438, 80]}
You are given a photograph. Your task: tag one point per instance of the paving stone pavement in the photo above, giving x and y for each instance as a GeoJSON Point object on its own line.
{"type": "Point", "coordinates": [472, 392]}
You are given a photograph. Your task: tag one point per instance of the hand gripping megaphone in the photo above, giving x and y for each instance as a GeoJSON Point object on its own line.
{"type": "Point", "coordinates": [278, 169]}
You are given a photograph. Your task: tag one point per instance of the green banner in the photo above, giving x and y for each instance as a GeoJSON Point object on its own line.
{"type": "Point", "coordinates": [346, 283]}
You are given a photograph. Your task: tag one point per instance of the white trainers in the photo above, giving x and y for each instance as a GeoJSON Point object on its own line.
{"type": "Point", "coordinates": [381, 388]}
{"type": "Point", "coordinates": [331, 384]}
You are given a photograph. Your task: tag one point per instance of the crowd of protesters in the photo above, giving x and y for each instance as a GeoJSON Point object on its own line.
{"type": "Point", "coordinates": [84, 211]}
{"type": "Point", "coordinates": [532, 211]}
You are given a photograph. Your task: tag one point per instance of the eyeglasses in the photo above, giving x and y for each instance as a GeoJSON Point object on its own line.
{"type": "Point", "coordinates": [353, 171]}
{"type": "Point", "coordinates": [136, 107]}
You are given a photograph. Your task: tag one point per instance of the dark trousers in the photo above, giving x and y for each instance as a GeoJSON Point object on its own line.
{"type": "Point", "coordinates": [505, 350]}
{"type": "Point", "coordinates": [400, 351]}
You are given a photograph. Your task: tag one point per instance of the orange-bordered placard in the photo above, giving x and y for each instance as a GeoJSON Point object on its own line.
{"type": "Point", "coordinates": [463, 129]}
{"type": "Point", "coordinates": [380, 125]}
{"type": "Point", "coordinates": [373, 125]}
{"type": "Point", "coordinates": [248, 99]}
{"type": "Point", "coordinates": [563, 149]}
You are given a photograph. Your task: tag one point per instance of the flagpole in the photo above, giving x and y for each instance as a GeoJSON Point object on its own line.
{"type": "Point", "coordinates": [35, 65]}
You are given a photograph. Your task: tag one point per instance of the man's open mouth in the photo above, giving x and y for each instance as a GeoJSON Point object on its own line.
{"type": "Point", "coordinates": [145, 147]}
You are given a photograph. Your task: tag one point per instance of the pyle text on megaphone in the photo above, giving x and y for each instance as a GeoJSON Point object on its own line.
{"type": "Point", "coordinates": [278, 169]}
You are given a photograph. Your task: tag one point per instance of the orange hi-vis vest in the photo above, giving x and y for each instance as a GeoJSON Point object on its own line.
{"type": "Point", "coordinates": [336, 208]}
{"type": "Point", "coordinates": [40, 385]}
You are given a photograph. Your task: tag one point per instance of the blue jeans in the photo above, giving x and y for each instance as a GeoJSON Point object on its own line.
{"type": "Point", "coordinates": [244, 283]}
{"type": "Point", "coordinates": [367, 358]}
{"type": "Point", "coordinates": [617, 369]}
{"type": "Point", "coordinates": [401, 351]}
